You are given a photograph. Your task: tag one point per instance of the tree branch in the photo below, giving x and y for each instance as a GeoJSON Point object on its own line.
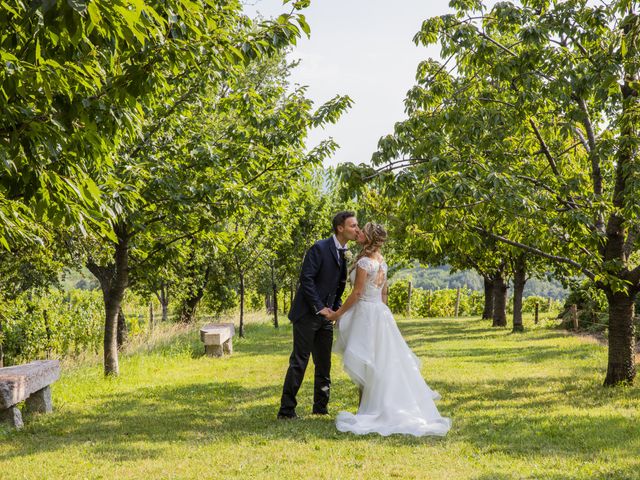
{"type": "Point", "coordinates": [581, 138]}
{"type": "Point", "coordinates": [571, 204]}
{"type": "Point", "coordinates": [545, 148]}
{"type": "Point", "coordinates": [537, 251]}
{"type": "Point", "coordinates": [596, 174]}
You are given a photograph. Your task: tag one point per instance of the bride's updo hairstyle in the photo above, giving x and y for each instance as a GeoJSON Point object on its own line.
{"type": "Point", "coordinates": [375, 235]}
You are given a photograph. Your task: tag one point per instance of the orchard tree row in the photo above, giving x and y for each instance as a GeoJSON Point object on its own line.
{"type": "Point", "coordinates": [152, 142]}
{"type": "Point", "coordinates": [519, 153]}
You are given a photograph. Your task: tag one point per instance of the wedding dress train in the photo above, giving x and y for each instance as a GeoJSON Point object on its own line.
{"type": "Point", "coordinates": [395, 397]}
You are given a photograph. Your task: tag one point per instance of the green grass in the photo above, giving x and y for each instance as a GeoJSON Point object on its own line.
{"type": "Point", "coordinates": [523, 406]}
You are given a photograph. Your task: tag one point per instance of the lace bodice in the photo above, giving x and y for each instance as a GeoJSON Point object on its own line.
{"type": "Point", "coordinates": [376, 278]}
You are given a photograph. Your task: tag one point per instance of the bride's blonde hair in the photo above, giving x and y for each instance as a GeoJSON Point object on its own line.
{"type": "Point", "coordinates": [375, 235]}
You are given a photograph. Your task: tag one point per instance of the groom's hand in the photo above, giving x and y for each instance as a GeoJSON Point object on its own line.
{"type": "Point", "coordinates": [326, 311]}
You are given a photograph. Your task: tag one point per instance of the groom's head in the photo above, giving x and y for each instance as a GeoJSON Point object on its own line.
{"type": "Point", "coordinates": [345, 225]}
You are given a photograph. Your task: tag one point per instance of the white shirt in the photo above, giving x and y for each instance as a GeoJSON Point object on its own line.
{"type": "Point", "coordinates": [338, 246]}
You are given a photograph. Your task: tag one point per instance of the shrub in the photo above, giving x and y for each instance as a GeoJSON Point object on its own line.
{"type": "Point", "coordinates": [53, 324]}
{"type": "Point", "coordinates": [57, 323]}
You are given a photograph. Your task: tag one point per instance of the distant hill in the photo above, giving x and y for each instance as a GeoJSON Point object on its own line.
{"type": "Point", "coordinates": [82, 279]}
{"type": "Point", "coordinates": [438, 278]}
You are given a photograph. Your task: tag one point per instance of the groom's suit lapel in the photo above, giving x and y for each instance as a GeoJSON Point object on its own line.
{"type": "Point", "coordinates": [332, 248]}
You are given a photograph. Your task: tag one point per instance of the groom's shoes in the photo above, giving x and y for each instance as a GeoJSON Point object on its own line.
{"type": "Point", "coordinates": [288, 417]}
{"type": "Point", "coordinates": [320, 412]}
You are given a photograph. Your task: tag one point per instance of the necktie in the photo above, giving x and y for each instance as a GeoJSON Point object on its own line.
{"type": "Point", "coordinates": [343, 262]}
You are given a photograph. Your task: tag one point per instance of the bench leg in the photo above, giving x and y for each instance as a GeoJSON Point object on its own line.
{"type": "Point", "coordinates": [12, 417]}
{"type": "Point", "coordinates": [227, 347]}
{"type": "Point", "coordinates": [40, 401]}
{"type": "Point", "coordinates": [213, 350]}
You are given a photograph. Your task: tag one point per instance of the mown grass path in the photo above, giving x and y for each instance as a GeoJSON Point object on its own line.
{"type": "Point", "coordinates": [523, 406]}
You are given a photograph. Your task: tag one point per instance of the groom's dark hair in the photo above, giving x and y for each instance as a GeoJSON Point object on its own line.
{"type": "Point", "coordinates": [340, 218]}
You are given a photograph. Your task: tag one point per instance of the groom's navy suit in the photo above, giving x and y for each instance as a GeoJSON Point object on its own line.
{"type": "Point", "coordinates": [322, 280]}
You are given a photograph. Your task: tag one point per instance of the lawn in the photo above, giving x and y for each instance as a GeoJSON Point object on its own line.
{"type": "Point", "coordinates": [525, 405]}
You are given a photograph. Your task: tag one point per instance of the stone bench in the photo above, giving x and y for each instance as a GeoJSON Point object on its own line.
{"type": "Point", "coordinates": [30, 383]}
{"type": "Point", "coordinates": [217, 338]}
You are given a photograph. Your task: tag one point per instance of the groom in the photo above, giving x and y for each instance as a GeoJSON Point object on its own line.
{"type": "Point", "coordinates": [322, 280]}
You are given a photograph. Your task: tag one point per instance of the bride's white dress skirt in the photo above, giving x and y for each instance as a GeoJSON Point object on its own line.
{"type": "Point", "coordinates": [395, 397]}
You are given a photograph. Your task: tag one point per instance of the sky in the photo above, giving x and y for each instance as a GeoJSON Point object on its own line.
{"type": "Point", "coordinates": [364, 49]}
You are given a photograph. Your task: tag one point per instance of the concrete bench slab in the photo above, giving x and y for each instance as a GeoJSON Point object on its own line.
{"type": "Point", "coordinates": [30, 383]}
{"type": "Point", "coordinates": [217, 338]}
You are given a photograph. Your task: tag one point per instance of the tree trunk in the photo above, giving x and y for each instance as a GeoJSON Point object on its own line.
{"type": "Point", "coordinates": [499, 301]}
{"type": "Point", "coordinates": [122, 329]}
{"type": "Point", "coordinates": [114, 279]}
{"type": "Point", "coordinates": [163, 298]}
{"type": "Point", "coordinates": [621, 366]}
{"type": "Point", "coordinates": [189, 307]}
{"type": "Point", "coordinates": [285, 307]}
{"type": "Point", "coordinates": [112, 302]}
{"type": "Point", "coordinates": [268, 304]}
{"type": "Point", "coordinates": [165, 311]}
{"type": "Point", "coordinates": [190, 304]}
{"type": "Point", "coordinates": [487, 313]}
{"type": "Point", "coordinates": [275, 297]}
{"type": "Point", "coordinates": [275, 305]}
{"type": "Point", "coordinates": [519, 281]}
{"type": "Point", "coordinates": [152, 319]}
{"type": "Point", "coordinates": [621, 362]}
{"type": "Point", "coordinates": [241, 330]}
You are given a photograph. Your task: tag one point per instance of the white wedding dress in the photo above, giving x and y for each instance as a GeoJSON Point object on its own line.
{"type": "Point", "coordinates": [395, 397]}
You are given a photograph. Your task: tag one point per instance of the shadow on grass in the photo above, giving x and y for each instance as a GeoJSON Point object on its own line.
{"type": "Point", "coordinates": [517, 417]}
{"type": "Point", "coordinates": [199, 413]}
{"type": "Point", "coordinates": [508, 354]}
{"type": "Point", "coordinates": [230, 412]}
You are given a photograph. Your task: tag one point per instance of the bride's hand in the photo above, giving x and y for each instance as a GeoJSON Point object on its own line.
{"type": "Point", "coordinates": [332, 317]}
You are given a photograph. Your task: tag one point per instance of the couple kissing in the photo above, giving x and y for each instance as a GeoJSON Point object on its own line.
{"type": "Point", "coordinates": [394, 398]}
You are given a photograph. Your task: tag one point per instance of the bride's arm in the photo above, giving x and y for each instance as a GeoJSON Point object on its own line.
{"type": "Point", "coordinates": [385, 293]}
{"type": "Point", "coordinates": [354, 296]}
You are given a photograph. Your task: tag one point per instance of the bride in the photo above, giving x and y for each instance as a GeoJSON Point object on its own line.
{"type": "Point", "coordinates": [394, 396]}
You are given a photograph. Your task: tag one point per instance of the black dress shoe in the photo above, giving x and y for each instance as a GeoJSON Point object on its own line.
{"type": "Point", "coordinates": [281, 416]}
{"type": "Point", "coordinates": [320, 412]}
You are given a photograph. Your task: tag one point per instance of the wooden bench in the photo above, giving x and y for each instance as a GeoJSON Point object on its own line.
{"type": "Point", "coordinates": [29, 382]}
{"type": "Point", "coordinates": [217, 338]}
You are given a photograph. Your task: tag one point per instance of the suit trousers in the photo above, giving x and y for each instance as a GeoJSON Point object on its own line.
{"type": "Point", "coordinates": [312, 335]}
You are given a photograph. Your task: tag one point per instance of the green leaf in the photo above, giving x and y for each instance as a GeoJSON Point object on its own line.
{"type": "Point", "coordinates": [79, 6]}
{"type": "Point", "coordinates": [94, 13]}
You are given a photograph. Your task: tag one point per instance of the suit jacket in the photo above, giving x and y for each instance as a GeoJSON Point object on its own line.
{"type": "Point", "coordinates": [322, 281]}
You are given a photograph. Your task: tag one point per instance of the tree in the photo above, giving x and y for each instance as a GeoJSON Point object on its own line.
{"type": "Point", "coordinates": [78, 75]}
{"type": "Point", "coordinates": [539, 123]}
{"type": "Point", "coordinates": [225, 140]}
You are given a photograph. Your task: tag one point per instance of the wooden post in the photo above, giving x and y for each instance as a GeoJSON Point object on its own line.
{"type": "Point", "coordinates": [409, 299]}
{"type": "Point", "coordinates": [574, 316]}
{"type": "Point", "coordinates": [48, 331]}
{"type": "Point", "coordinates": [536, 314]}
{"type": "Point", "coordinates": [429, 303]}
{"type": "Point", "coordinates": [458, 302]}
{"type": "Point", "coordinates": [549, 305]}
